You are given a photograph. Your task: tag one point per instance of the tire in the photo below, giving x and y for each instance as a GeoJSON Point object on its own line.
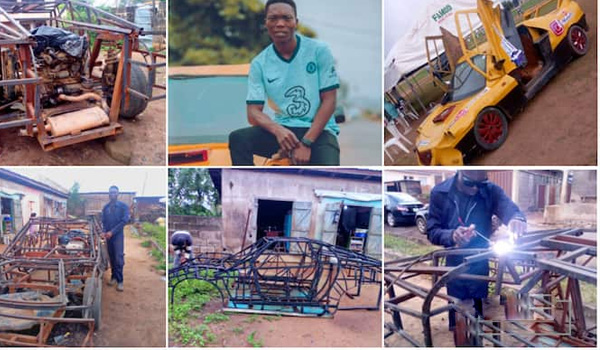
{"type": "Point", "coordinates": [136, 105]}
{"type": "Point", "coordinates": [97, 305]}
{"type": "Point", "coordinates": [578, 41]}
{"type": "Point", "coordinates": [491, 129]}
{"type": "Point", "coordinates": [390, 219]}
{"type": "Point", "coordinates": [92, 295]}
{"type": "Point", "coordinates": [421, 225]}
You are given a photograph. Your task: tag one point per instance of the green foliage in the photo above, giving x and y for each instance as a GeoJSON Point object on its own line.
{"type": "Point", "coordinates": [193, 336]}
{"type": "Point", "coordinates": [216, 317]}
{"type": "Point", "coordinates": [203, 32]}
{"type": "Point", "coordinates": [146, 244]}
{"type": "Point", "coordinates": [159, 233]}
{"type": "Point", "coordinates": [253, 341]}
{"type": "Point", "coordinates": [75, 202]}
{"type": "Point", "coordinates": [237, 330]}
{"type": "Point", "coordinates": [406, 247]}
{"type": "Point", "coordinates": [191, 192]}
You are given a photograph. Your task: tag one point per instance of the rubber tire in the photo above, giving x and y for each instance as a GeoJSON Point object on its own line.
{"type": "Point", "coordinates": [92, 294]}
{"type": "Point", "coordinates": [137, 105]}
{"type": "Point", "coordinates": [390, 220]}
{"type": "Point", "coordinates": [576, 51]}
{"type": "Point", "coordinates": [421, 225]}
{"type": "Point", "coordinates": [97, 305]}
{"type": "Point", "coordinates": [479, 120]}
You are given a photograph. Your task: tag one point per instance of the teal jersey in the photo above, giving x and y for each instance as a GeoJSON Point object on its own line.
{"type": "Point", "coordinates": [293, 86]}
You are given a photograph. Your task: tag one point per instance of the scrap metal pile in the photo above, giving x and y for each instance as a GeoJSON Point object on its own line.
{"type": "Point", "coordinates": [51, 283]}
{"type": "Point", "coordinates": [289, 276]}
{"type": "Point", "coordinates": [538, 280]}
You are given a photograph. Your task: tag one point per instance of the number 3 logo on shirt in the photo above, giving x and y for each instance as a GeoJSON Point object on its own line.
{"type": "Point", "coordinates": [300, 106]}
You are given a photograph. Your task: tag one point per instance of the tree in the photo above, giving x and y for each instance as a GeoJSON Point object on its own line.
{"type": "Point", "coordinates": [191, 192]}
{"type": "Point", "coordinates": [75, 204]}
{"type": "Point", "coordinates": [203, 32]}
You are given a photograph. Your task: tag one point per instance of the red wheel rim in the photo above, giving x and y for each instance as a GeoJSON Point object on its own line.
{"type": "Point", "coordinates": [578, 39]}
{"type": "Point", "coordinates": [490, 127]}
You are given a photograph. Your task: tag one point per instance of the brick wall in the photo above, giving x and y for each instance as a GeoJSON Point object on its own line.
{"type": "Point", "coordinates": [206, 231]}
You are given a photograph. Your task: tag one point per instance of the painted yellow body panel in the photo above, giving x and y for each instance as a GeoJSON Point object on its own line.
{"type": "Point", "coordinates": [566, 14]}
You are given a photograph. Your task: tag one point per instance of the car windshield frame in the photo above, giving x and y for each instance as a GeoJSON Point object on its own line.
{"type": "Point", "coordinates": [466, 81]}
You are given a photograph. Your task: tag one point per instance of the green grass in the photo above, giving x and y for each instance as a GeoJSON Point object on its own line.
{"type": "Point", "coordinates": [194, 336]}
{"type": "Point", "coordinates": [216, 317]}
{"type": "Point", "coordinates": [159, 233]}
{"type": "Point", "coordinates": [146, 244]}
{"type": "Point", "coordinates": [237, 330]}
{"type": "Point", "coordinates": [253, 341]}
{"type": "Point", "coordinates": [406, 247]}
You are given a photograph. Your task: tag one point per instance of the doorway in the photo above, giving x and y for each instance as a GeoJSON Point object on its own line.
{"type": "Point", "coordinates": [353, 227]}
{"type": "Point", "coordinates": [273, 219]}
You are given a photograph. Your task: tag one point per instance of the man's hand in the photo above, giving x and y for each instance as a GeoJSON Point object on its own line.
{"type": "Point", "coordinates": [301, 154]}
{"type": "Point", "coordinates": [107, 235]}
{"type": "Point", "coordinates": [462, 235]}
{"type": "Point", "coordinates": [516, 228]}
{"type": "Point", "coordinates": [286, 138]}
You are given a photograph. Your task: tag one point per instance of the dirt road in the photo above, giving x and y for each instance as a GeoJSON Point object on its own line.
{"type": "Point", "coordinates": [358, 328]}
{"type": "Point", "coordinates": [147, 133]}
{"type": "Point", "coordinates": [135, 317]}
{"type": "Point", "coordinates": [559, 126]}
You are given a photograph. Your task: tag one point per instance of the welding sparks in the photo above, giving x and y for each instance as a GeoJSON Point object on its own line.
{"type": "Point", "coordinates": [502, 247]}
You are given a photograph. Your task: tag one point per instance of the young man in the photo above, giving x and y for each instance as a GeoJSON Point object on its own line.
{"type": "Point", "coordinates": [460, 206]}
{"type": "Point", "coordinates": [297, 75]}
{"type": "Point", "coordinates": [115, 215]}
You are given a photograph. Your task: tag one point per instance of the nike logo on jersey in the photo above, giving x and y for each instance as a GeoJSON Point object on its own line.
{"type": "Point", "coordinates": [271, 80]}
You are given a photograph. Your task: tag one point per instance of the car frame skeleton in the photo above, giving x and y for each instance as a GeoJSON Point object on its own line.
{"type": "Point", "coordinates": [282, 275]}
{"type": "Point", "coordinates": [86, 106]}
{"type": "Point", "coordinates": [539, 312]}
{"type": "Point", "coordinates": [51, 280]}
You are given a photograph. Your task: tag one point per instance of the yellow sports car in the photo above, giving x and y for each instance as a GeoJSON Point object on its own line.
{"type": "Point", "coordinates": [500, 66]}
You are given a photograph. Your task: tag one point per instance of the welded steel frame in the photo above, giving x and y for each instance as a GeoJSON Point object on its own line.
{"type": "Point", "coordinates": [283, 275]}
{"type": "Point", "coordinates": [542, 257]}
{"type": "Point", "coordinates": [34, 261]}
{"type": "Point", "coordinates": [107, 27]}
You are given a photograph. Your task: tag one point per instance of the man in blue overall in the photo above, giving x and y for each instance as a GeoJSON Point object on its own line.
{"type": "Point", "coordinates": [115, 215]}
{"type": "Point", "coordinates": [297, 75]}
{"type": "Point", "coordinates": [458, 207]}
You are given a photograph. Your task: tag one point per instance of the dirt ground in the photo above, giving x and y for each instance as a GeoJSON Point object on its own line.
{"type": "Point", "coordinates": [355, 329]}
{"type": "Point", "coordinates": [135, 317]}
{"type": "Point", "coordinates": [558, 127]}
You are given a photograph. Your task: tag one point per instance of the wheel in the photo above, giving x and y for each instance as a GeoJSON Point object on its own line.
{"type": "Point", "coordinates": [136, 105]}
{"type": "Point", "coordinates": [491, 129]}
{"type": "Point", "coordinates": [578, 41]}
{"type": "Point", "coordinates": [92, 296]}
{"type": "Point", "coordinates": [97, 305]}
{"type": "Point", "coordinates": [390, 219]}
{"type": "Point", "coordinates": [421, 225]}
